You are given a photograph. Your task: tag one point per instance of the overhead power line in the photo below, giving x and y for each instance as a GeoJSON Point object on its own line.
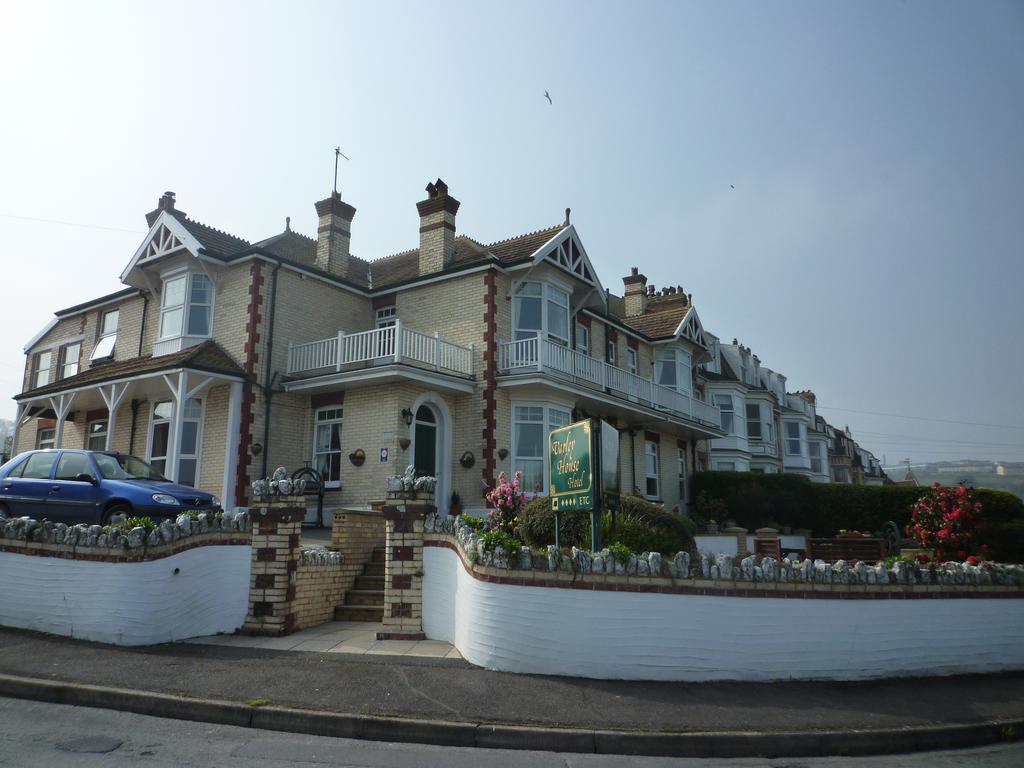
{"type": "Point", "coordinates": [922, 418]}
{"type": "Point", "coordinates": [72, 224]}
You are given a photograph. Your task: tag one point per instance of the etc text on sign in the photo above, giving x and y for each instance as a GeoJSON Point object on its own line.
{"type": "Point", "coordinates": [572, 476]}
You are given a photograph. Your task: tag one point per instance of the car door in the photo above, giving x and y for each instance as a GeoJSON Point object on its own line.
{"type": "Point", "coordinates": [29, 492]}
{"type": "Point", "coordinates": [72, 500]}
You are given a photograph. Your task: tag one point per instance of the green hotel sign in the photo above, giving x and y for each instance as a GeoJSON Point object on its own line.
{"type": "Point", "coordinates": [570, 451]}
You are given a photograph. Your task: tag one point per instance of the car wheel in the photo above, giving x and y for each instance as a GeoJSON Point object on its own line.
{"type": "Point", "coordinates": [117, 514]}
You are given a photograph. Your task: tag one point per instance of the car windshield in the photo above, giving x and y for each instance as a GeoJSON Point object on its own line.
{"type": "Point", "coordinates": [120, 467]}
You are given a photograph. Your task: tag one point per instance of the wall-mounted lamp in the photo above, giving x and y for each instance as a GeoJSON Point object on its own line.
{"type": "Point", "coordinates": [407, 416]}
{"type": "Point", "coordinates": [503, 453]}
{"type": "Point", "coordinates": [404, 442]}
{"type": "Point", "coordinates": [256, 449]}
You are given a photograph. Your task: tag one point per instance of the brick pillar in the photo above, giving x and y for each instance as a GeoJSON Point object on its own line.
{"type": "Point", "coordinates": [275, 562]}
{"type": "Point", "coordinates": [403, 572]}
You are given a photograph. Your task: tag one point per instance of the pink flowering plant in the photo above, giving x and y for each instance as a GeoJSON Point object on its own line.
{"type": "Point", "coordinates": [946, 521]}
{"type": "Point", "coordinates": [506, 504]}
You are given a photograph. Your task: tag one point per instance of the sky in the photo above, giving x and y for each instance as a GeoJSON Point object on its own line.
{"type": "Point", "coordinates": [837, 184]}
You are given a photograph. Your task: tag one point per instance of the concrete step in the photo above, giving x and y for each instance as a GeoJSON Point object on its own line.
{"type": "Point", "coordinates": [378, 556]}
{"type": "Point", "coordinates": [374, 570]}
{"type": "Point", "coordinates": [359, 613]}
{"type": "Point", "coordinates": [365, 582]}
{"type": "Point", "coordinates": [364, 597]}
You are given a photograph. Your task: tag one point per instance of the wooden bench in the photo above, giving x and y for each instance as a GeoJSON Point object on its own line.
{"type": "Point", "coordinates": [847, 548]}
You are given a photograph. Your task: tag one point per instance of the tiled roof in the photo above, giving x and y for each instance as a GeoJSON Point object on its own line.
{"type": "Point", "coordinates": [214, 239]}
{"type": "Point", "coordinates": [291, 246]}
{"type": "Point", "coordinates": [208, 356]}
{"type": "Point", "coordinates": [518, 248]}
{"type": "Point", "coordinates": [403, 266]}
{"type": "Point", "coordinates": [660, 323]}
{"type": "Point", "coordinates": [123, 293]}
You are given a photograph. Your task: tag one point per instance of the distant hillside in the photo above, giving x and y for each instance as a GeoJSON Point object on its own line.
{"type": "Point", "coordinates": [1005, 475]}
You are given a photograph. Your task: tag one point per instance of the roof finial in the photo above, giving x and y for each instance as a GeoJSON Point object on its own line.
{"type": "Point", "coordinates": [337, 153]}
{"type": "Point", "coordinates": [567, 212]}
{"type": "Point", "coordinates": [287, 223]}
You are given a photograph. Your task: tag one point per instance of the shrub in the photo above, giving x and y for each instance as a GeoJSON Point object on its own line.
{"type": "Point", "coordinates": [498, 538]}
{"type": "Point", "coordinates": [506, 502]}
{"type": "Point", "coordinates": [537, 525]}
{"type": "Point", "coordinates": [945, 521]}
{"type": "Point", "coordinates": [473, 523]}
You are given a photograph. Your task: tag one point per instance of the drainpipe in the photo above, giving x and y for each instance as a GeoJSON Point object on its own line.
{"type": "Point", "coordinates": [131, 434]}
{"type": "Point", "coordinates": [632, 458]}
{"type": "Point", "coordinates": [268, 388]}
{"type": "Point", "coordinates": [142, 325]}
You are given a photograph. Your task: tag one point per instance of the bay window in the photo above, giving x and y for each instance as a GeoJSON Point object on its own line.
{"type": "Point", "coordinates": [672, 369]}
{"type": "Point", "coordinates": [754, 421]}
{"type": "Point", "coordinates": [793, 439]}
{"type": "Point", "coordinates": [651, 488]}
{"type": "Point", "coordinates": [725, 406]}
{"type": "Point", "coordinates": [327, 445]}
{"type": "Point", "coordinates": [186, 306]}
{"type": "Point", "coordinates": [190, 440]}
{"type": "Point", "coordinates": [541, 310]}
{"type": "Point", "coordinates": [531, 424]}
{"type": "Point", "coordinates": [816, 456]}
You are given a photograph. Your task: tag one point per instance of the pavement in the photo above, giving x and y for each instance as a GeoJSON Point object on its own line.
{"type": "Point", "coordinates": [448, 701]}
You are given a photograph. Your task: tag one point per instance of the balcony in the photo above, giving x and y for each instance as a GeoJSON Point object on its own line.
{"type": "Point", "coordinates": [535, 355]}
{"type": "Point", "coordinates": [762, 449]}
{"type": "Point", "coordinates": [394, 345]}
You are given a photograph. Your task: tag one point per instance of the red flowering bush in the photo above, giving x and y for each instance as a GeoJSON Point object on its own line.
{"type": "Point", "coordinates": [945, 520]}
{"type": "Point", "coordinates": [506, 503]}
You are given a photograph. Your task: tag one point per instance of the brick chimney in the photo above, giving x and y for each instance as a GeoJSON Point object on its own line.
{"type": "Point", "coordinates": [635, 299]}
{"type": "Point", "coordinates": [165, 203]}
{"type": "Point", "coordinates": [334, 234]}
{"type": "Point", "coordinates": [437, 228]}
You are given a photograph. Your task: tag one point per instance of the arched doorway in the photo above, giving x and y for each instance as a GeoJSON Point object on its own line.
{"type": "Point", "coordinates": [431, 449]}
{"type": "Point", "coordinates": [425, 441]}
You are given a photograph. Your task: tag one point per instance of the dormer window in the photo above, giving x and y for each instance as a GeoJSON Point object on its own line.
{"type": "Point", "coordinates": [186, 307]}
{"type": "Point", "coordinates": [104, 348]}
{"type": "Point", "coordinates": [541, 310]}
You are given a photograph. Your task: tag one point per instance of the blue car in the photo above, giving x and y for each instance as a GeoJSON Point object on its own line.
{"type": "Point", "coordinates": [69, 486]}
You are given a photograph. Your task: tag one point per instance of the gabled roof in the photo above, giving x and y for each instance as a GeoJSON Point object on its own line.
{"type": "Point", "coordinates": [214, 240]}
{"type": "Point", "coordinates": [291, 246]}
{"type": "Point", "coordinates": [727, 373]}
{"type": "Point", "coordinates": [208, 356]}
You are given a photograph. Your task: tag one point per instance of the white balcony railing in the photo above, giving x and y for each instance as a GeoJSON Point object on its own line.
{"type": "Point", "coordinates": [394, 344]}
{"type": "Point", "coordinates": [545, 356]}
{"type": "Point", "coordinates": [762, 449]}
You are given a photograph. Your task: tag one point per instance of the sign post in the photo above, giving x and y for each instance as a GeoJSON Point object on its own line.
{"type": "Point", "coordinates": [583, 460]}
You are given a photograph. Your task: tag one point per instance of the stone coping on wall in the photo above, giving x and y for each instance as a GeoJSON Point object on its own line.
{"type": "Point", "coordinates": [43, 538]}
{"type": "Point", "coordinates": [753, 577]}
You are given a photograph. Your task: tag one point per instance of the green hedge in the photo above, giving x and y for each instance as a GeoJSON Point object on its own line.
{"type": "Point", "coordinates": [753, 500]}
{"type": "Point", "coordinates": [641, 526]}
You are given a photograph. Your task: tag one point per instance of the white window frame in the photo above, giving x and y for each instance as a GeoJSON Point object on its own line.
{"type": "Point", "coordinates": [186, 307]}
{"type": "Point", "coordinates": [39, 376]}
{"type": "Point", "coordinates": [547, 425]}
{"type": "Point", "coordinates": [722, 400]}
{"type": "Point", "coordinates": [582, 338]}
{"type": "Point", "coordinates": [175, 472]}
{"type": "Point", "coordinates": [341, 451]}
{"type": "Point", "coordinates": [386, 317]}
{"type": "Point", "coordinates": [62, 360]}
{"type": "Point", "coordinates": [755, 420]}
{"type": "Point", "coordinates": [89, 436]}
{"type": "Point", "coordinates": [790, 439]}
{"type": "Point", "coordinates": [651, 450]}
{"type": "Point", "coordinates": [548, 294]}
{"type": "Point", "coordinates": [679, 360]}
{"type": "Point", "coordinates": [725, 466]}
{"type": "Point", "coordinates": [814, 449]}
{"type": "Point", "coordinates": [107, 338]}
{"type": "Point", "coordinates": [610, 350]}
{"type": "Point", "coordinates": [43, 443]}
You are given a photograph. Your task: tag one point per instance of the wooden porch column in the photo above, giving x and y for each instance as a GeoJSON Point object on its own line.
{"type": "Point", "coordinates": [113, 400]}
{"type": "Point", "coordinates": [61, 406]}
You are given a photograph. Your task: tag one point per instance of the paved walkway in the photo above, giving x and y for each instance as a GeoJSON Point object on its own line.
{"type": "Point", "coordinates": [352, 637]}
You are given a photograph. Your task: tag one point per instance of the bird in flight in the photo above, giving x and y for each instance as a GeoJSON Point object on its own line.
{"type": "Point", "coordinates": [732, 186]}
{"type": "Point", "coordinates": [546, 96]}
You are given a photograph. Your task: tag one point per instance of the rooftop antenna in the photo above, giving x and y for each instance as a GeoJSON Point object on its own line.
{"type": "Point", "coordinates": [337, 153]}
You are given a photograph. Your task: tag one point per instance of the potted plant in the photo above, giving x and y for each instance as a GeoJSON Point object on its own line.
{"type": "Point", "coordinates": [455, 508]}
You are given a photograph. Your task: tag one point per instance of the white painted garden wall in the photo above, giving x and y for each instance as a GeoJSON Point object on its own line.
{"type": "Point", "coordinates": [128, 603]}
{"type": "Point", "coordinates": [725, 544]}
{"type": "Point", "coordinates": [640, 636]}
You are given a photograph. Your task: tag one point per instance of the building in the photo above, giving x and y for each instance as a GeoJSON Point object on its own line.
{"type": "Point", "coordinates": [223, 358]}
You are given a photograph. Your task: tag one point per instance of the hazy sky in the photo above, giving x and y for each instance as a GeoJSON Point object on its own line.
{"type": "Point", "coordinates": [871, 249]}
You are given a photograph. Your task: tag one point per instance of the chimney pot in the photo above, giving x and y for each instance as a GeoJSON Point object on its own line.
{"type": "Point", "coordinates": [636, 293]}
{"type": "Point", "coordinates": [333, 234]}
{"type": "Point", "coordinates": [437, 228]}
